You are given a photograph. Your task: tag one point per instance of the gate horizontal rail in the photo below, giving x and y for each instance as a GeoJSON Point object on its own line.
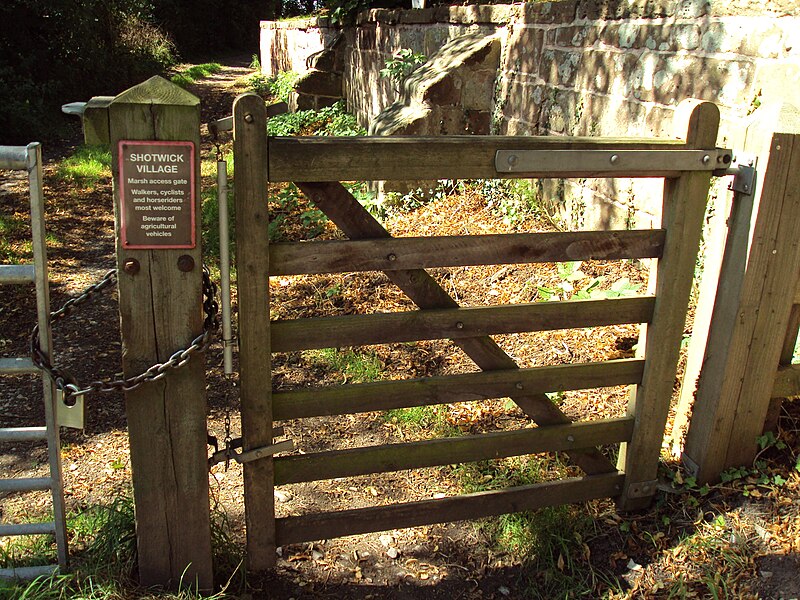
{"type": "Point", "coordinates": [366, 158]}
{"type": "Point", "coordinates": [389, 395]}
{"type": "Point", "coordinates": [391, 254]}
{"type": "Point", "coordinates": [448, 451]}
{"type": "Point", "coordinates": [327, 525]}
{"type": "Point", "coordinates": [455, 323]}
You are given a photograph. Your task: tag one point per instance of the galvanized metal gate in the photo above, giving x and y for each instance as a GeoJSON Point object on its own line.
{"type": "Point", "coordinates": [316, 166]}
{"type": "Point", "coordinates": [29, 158]}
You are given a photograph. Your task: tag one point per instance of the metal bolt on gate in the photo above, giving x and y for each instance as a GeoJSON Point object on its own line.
{"type": "Point", "coordinates": [29, 158]}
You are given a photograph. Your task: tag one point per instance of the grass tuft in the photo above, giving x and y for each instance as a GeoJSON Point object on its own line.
{"type": "Point", "coordinates": [86, 167]}
{"type": "Point", "coordinates": [103, 543]}
{"type": "Point", "coordinates": [356, 367]}
{"type": "Point", "coordinates": [194, 73]}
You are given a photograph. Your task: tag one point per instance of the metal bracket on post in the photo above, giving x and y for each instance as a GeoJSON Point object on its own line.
{"type": "Point", "coordinates": [744, 174]}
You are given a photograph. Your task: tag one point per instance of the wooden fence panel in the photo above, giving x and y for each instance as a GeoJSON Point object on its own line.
{"type": "Point", "coordinates": [447, 451]}
{"type": "Point", "coordinates": [320, 159]}
{"type": "Point", "coordinates": [355, 221]}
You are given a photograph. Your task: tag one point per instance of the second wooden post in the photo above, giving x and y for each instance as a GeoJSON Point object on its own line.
{"type": "Point", "coordinates": [155, 139]}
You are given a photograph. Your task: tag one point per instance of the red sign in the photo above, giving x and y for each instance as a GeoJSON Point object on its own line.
{"type": "Point", "coordinates": [156, 187]}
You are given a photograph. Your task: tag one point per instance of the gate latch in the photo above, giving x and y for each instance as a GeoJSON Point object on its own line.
{"type": "Point", "coordinates": [230, 453]}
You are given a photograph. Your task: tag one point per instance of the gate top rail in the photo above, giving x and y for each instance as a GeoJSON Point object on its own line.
{"type": "Point", "coordinates": [15, 157]}
{"type": "Point", "coordinates": [371, 158]}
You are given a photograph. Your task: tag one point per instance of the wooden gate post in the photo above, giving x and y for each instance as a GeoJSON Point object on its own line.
{"type": "Point", "coordinates": [252, 284]}
{"type": "Point", "coordinates": [736, 384]}
{"type": "Point", "coordinates": [682, 216]}
{"type": "Point", "coordinates": [156, 185]}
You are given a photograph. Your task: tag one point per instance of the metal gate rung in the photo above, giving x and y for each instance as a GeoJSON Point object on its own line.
{"type": "Point", "coordinates": [17, 366]}
{"type": "Point", "coordinates": [16, 274]}
{"type": "Point", "coordinates": [28, 572]}
{"type": "Point", "coordinates": [28, 528]}
{"type": "Point", "coordinates": [27, 484]}
{"type": "Point", "coordinates": [22, 434]}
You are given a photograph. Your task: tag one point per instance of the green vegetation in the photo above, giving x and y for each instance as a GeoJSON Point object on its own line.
{"type": "Point", "coordinates": [11, 251]}
{"type": "Point", "coordinates": [402, 64]}
{"type": "Point", "coordinates": [432, 419]}
{"type": "Point", "coordinates": [287, 205]}
{"type": "Point", "coordinates": [103, 544]}
{"type": "Point", "coordinates": [194, 73]}
{"type": "Point", "coordinates": [576, 285]}
{"type": "Point", "coordinates": [86, 166]}
{"type": "Point", "coordinates": [79, 50]}
{"type": "Point", "coordinates": [209, 211]}
{"type": "Point", "coordinates": [515, 200]}
{"type": "Point", "coordinates": [550, 541]}
{"type": "Point", "coordinates": [276, 88]}
{"type": "Point", "coordinates": [344, 11]}
{"type": "Point", "coordinates": [332, 120]}
{"type": "Point", "coordinates": [355, 367]}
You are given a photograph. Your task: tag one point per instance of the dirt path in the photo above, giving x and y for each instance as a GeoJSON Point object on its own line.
{"type": "Point", "coordinates": [458, 560]}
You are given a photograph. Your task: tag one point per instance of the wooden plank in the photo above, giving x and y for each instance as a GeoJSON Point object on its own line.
{"type": "Point", "coordinates": [724, 429]}
{"type": "Point", "coordinates": [343, 209]}
{"type": "Point", "coordinates": [787, 354]}
{"type": "Point", "coordinates": [455, 323]}
{"type": "Point", "coordinates": [455, 251]}
{"type": "Point", "coordinates": [388, 395]}
{"type": "Point", "coordinates": [447, 451]}
{"type": "Point", "coordinates": [682, 216]}
{"type": "Point", "coordinates": [292, 530]}
{"type": "Point", "coordinates": [252, 284]}
{"type": "Point", "coordinates": [717, 308]}
{"type": "Point", "coordinates": [313, 158]}
{"type": "Point", "coordinates": [787, 382]}
{"type": "Point", "coordinates": [160, 313]}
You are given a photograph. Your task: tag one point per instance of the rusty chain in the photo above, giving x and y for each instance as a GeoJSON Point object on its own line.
{"type": "Point", "coordinates": [68, 384]}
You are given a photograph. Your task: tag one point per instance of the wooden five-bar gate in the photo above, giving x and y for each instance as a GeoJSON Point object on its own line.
{"type": "Point", "coordinates": [317, 166]}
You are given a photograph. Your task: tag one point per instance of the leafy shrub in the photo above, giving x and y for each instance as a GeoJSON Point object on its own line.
{"type": "Point", "coordinates": [56, 51]}
{"type": "Point", "coordinates": [275, 88]}
{"type": "Point", "coordinates": [343, 12]}
{"type": "Point", "coordinates": [332, 120]}
{"type": "Point", "coordinates": [402, 64]}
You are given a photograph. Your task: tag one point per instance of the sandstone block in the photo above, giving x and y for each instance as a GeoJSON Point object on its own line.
{"type": "Point", "coordinates": [320, 83]}
{"type": "Point", "coordinates": [478, 90]}
{"type": "Point", "coordinates": [547, 13]}
{"type": "Point", "coordinates": [446, 91]}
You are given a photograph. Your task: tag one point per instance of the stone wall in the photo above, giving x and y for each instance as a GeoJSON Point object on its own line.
{"type": "Point", "coordinates": [588, 67]}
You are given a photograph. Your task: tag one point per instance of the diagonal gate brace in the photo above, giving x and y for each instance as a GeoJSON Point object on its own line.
{"type": "Point", "coordinates": [354, 220]}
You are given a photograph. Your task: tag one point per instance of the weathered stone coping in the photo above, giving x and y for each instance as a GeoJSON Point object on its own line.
{"type": "Point", "coordinates": [563, 11]}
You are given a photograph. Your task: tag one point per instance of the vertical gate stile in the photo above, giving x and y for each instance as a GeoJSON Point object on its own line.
{"type": "Point", "coordinates": [35, 180]}
{"type": "Point", "coordinates": [683, 211]}
{"type": "Point", "coordinates": [250, 153]}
